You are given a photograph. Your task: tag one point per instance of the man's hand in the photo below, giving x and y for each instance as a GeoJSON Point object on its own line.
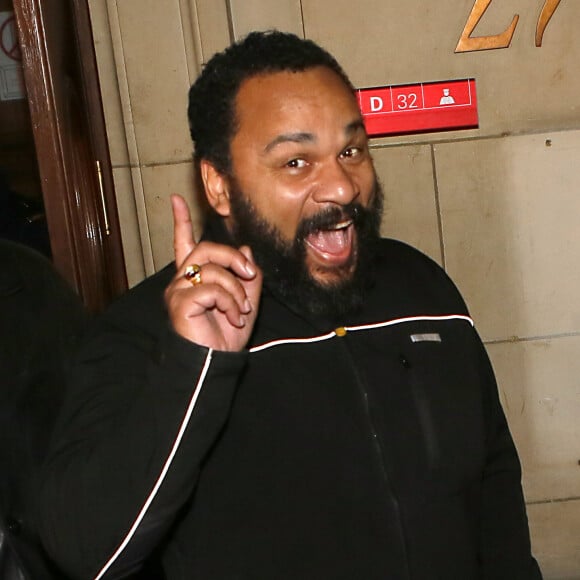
{"type": "Point", "coordinates": [219, 311]}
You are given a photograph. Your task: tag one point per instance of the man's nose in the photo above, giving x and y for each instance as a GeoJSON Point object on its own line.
{"type": "Point", "coordinates": [335, 184]}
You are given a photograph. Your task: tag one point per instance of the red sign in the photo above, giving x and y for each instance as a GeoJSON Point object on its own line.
{"type": "Point", "coordinates": [419, 108]}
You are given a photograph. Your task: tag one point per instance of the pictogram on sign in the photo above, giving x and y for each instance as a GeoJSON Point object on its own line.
{"type": "Point", "coordinates": [419, 108]}
{"type": "Point", "coordinates": [11, 78]}
{"type": "Point", "coordinates": [8, 39]}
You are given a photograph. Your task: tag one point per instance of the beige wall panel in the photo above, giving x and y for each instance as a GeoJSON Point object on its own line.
{"type": "Point", "coordinates": [213, 31]}
{"type": "Point", "coordinates": [158, 78]}
{"type": "Point", "coordinates": [159, 183]}
{"type": "Point", "coordinates": [248, 15]}
{"type": "Point", "coordinates": [109, 85]}
{"type": "Point", "coordinates": [410, 212]}
{"type": "Point", "coordinates": [510, 212]}
{"type": "Point", "coordinates": [130, 234]}
{"type": "Point", "coordinates": [555, 531]}
{"type": "Point", "coordinates": [520, 88]}
{"type": "Point", "coordinates": [540, 393]}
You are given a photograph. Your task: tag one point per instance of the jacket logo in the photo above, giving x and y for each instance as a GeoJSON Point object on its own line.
{"type": "Point", "coordinates": [427, 337]}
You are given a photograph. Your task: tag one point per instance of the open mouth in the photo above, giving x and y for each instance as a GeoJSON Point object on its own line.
{"type": "Point", "coordinates": [333, 244]}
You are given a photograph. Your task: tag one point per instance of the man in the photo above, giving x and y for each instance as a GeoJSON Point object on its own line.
{"type": "Point", "coordinates": [294, 398]}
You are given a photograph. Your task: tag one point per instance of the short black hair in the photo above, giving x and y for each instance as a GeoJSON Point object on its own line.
{"type": "Point", "coordinates": [211, 110]}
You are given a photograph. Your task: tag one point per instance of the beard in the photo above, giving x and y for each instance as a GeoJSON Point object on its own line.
{"type": "Point", "coordinates": [283, 263]}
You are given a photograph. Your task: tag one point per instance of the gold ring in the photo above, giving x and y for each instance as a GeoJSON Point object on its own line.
{"type": "Point", "coordinates": [193, 274]}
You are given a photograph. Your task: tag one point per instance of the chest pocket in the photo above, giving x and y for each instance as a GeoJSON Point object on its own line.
{"type": "Point", "coordinates": [425, 391]}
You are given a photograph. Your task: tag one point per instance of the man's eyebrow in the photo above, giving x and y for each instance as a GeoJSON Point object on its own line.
{"type": "Point", "coordinates": [355, 126]}
{"type": "Point", "coordinates": [290, 138]}
{"type": "Point", "coordinates": [303, 137]}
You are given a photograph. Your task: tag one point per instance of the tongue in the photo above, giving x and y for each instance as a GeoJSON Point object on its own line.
{"type": "Point", "coordinates": [329, 241]}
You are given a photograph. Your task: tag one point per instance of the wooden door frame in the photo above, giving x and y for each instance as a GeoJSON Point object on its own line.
{"type": "Point", "coordinates": [85, 238]}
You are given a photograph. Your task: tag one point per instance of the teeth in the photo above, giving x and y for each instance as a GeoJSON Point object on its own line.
{"type": "Point", "coordinates": [341, 225]}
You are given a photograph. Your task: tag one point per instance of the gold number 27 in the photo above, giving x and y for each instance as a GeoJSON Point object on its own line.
{"type": "Point", "coordinates": [469, 43]}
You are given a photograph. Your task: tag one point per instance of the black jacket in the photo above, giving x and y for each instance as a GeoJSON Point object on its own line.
{"type": "Point", "coordinates": [372, 447]}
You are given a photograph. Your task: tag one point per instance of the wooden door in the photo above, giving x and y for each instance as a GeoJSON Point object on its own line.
{"type": "Point", "coordinates": [69, 132]}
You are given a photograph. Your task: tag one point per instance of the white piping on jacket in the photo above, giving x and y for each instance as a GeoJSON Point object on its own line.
{"type": "Point", "coordinates": [332, 334]}
{"type": "Point", "coordinates": [292, 341]}
{"type": "Point", "coordinates": [197, 390]}
{"type": "Point", "coordinates": [165, 469]}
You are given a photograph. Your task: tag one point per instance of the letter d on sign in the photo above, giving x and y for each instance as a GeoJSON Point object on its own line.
{"type": "Point", "coordinates": [376, 104]}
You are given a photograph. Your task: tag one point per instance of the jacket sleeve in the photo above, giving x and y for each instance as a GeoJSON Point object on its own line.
{"type": "Point", "coordinates": [505, 540]}
{"type": "Point", "coordinates": [144, 407]}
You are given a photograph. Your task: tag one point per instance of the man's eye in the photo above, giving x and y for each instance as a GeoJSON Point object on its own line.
{"type": "Point", "coordinates": [296, 163]}
{"type": "Point", "coordinates": [351, 152]}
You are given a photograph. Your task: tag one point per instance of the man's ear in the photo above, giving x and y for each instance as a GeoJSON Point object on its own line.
{"type": "Point", "coordinates": [216, 187]}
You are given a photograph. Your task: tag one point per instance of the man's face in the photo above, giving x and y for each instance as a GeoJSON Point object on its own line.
{"type": "Point", "coordinates": [302, 190]}
{"type": "Point", "coordinates": [300, 156]}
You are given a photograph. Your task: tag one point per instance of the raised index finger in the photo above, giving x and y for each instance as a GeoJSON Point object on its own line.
{"type": "Point", "coordinates": [183, 242]}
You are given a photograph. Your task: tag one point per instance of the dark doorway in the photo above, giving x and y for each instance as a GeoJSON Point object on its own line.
{"type": "Point", "coordinates": [70, 167]}
{"type": "Point", "coordinates": [22, 215]}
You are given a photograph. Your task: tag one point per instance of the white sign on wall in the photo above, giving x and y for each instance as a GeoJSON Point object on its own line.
{"type": "Point", "coordinates": [11, 80]}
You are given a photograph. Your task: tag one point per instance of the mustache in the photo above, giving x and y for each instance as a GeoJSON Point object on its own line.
{"type": "Point", "coordinates": [329, 217]}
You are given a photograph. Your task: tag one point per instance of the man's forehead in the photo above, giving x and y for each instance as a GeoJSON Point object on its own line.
{"type": "Point", "coordinates": [272, 80]}
{"type": "Point", "coordinates": [285, 97]}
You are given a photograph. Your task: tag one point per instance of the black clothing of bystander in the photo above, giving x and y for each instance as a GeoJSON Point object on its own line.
{"type": "Point", "coordinates": [41, 319]}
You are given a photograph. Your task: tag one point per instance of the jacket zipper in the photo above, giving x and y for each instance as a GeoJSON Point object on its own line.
{"type": "Point", "coordinates": [375, 442]}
